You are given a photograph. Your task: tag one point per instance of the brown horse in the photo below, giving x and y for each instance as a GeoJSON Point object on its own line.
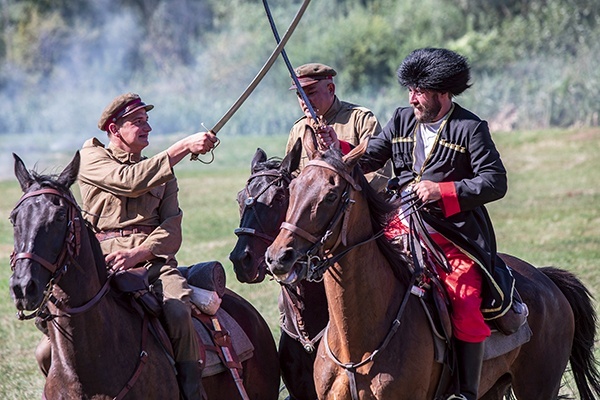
{"type": "Point", "coordinates": [378, 343]}
{"type": "Point", "coordinates": [101, 347]}
{"type": "Point", "coordinates": [263, 204]}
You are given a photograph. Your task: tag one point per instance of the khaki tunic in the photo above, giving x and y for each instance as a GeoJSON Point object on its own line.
{"type": "Point", "coordinates": [121, 190]}
{"type": "Point", "coordinates": [352, 124]}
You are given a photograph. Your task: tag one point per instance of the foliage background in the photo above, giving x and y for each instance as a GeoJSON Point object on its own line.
{"type": "Point", "coordinates": [534, 69]}
{"type": "Point", "coordinates": [534, 61]}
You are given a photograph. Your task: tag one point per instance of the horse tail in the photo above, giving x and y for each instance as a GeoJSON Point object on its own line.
{"type": "Point", "coordinates": [583, 365]}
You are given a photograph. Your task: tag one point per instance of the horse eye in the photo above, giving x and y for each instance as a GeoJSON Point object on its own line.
{"type": "Point", "coordinates": [331, 197]}
{"type": "Point", "coordinates": [61, 215]}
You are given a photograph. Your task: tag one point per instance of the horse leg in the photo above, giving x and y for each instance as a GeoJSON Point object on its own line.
{"type": "Point", "coordinates": [296, 368]}
{"type": "Point", "coordinates": [43, 354]}
{"type": "Point", "coordinates": [541, 362]}
{"type": "Point", "coordinates": [500, 390]}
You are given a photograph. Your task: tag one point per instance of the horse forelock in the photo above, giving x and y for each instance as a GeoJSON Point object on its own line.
{"type": "Point", "coordinates": [380, 211]}
{"type": "Point", "coordinates": [47, 181]}
{"type": "Point", "coordinates": [271, 163]}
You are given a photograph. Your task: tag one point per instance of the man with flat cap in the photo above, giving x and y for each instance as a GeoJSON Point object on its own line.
{"type": "Point", "coordinates": [131, 201]}
{"type": "Point", "coordinates": [350, 122]}
{"type": "Point", "coordinates": [444, 157]}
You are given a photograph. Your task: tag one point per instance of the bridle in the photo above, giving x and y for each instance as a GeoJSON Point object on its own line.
{"type": "Point", "coordinates": [279, 176]}
{"type": "Point", "coordinates": [317, 258]}
{"type": "Point", "coordinates": [67, 255]}
{"type": "Point", "coordinates": [319, 263]}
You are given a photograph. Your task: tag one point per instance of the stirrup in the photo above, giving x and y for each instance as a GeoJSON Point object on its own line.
{"type": "Point", "coordinates": [456, 397]}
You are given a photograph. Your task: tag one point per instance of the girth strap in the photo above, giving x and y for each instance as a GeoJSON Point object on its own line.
{"type": "Point", "coordinates": [142, 361]}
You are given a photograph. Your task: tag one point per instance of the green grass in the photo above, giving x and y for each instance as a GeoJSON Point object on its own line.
{"type": "Point", "coordinates": [551, 216]}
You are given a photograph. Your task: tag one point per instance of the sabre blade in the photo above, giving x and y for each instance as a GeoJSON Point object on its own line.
{"type": "Point", "coordinates": [263, 71]}
{"type": "Point", "coordinates": [288, 64]}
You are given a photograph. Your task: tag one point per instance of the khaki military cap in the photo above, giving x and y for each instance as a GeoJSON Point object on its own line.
{"type": "Point", "coordinates": [312, 73]}
{"type": "Point", "coordinates": [120, 107]}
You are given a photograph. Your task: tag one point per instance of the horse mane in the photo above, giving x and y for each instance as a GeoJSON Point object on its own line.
{"type": "Point", "coordinates": [380, 211]}
{"type": "Point", "coordinates": [51, 181]}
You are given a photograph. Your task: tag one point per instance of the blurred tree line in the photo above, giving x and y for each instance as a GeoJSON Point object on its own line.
{"type": "Point", "coordinates": [534, 62]}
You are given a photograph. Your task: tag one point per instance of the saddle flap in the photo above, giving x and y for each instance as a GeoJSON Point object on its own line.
{"type": "Point", "coordinates": [230, 331]}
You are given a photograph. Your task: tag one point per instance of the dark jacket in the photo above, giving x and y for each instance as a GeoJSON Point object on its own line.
{"type": "Point", "coordinates": [465, 161]}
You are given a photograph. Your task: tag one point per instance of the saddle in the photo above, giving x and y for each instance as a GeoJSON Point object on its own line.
{"type": "Point", "coordinates": [509, 331]}
{"type": "Point", "coordinates": [222, 341]}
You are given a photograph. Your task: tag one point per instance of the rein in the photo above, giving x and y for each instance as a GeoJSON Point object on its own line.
{"type": "Point", "coordinates": [350, 367]}
{"type": "Point", "coordinates": [67, 255]}
{"type": "Point", "coordinates": [317, 269]}
{"type": "Point", "coordinates": [300, 333]}
{"type": "Point", "coordinates": [318, 259]}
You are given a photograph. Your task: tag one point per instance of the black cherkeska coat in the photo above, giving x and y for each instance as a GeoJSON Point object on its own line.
{"type": "Point", "coordinates": [464, 154]}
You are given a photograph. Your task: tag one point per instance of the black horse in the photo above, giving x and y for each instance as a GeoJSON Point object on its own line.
{"type": "Point", "coordinates": [263, 204]}
{"type": "Point", "coordinates": [100, 347]}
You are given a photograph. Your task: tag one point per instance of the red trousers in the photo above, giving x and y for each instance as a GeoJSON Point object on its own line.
{"type": "Point", "coordinates": [463, 285]}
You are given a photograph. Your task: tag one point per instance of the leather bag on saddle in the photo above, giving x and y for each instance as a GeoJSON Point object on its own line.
{"type": "Point", "coordinates": [135, 281]}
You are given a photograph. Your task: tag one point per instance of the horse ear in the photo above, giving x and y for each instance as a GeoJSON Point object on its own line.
{"type": "Point", "coordinates": [23, 176]}
{"type": "Point", "coordinates": [69, 174]}
{"type": "Point", "coordinates": [291, 161]}
{"type": "Point", "coordinates": [310, 142]}
{"type": "Point", "coordinates": [356, 153]}
{"type": "Point", "coordinates": [259, 157]}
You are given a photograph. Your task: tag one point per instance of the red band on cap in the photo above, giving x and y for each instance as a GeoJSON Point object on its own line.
{"type": "Point", "coordinates": [317, 77]}
{"type": "Point", "coordinates": [122, 111]}
{"type": "Point", "coordinates": [129, 106]}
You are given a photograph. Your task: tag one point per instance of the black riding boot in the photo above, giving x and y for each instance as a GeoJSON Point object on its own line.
{"type": "Point", "coordinates": [470, 359]}
{"type": "Point", "coordinates": [189, 376]}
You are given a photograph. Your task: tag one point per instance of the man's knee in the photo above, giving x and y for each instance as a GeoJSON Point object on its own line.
{"type": "Point", "coordinates": [177, 317]}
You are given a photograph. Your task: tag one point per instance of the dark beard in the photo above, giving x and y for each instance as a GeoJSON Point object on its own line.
{"type": "Point", "coordinates": [428, 114]}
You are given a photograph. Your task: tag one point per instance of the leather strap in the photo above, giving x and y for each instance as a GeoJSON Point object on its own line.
{"type": "Point", "coordinates": [123, 232]}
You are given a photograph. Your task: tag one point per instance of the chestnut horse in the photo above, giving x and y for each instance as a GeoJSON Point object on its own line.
{"type": "Point", "coordinates": [101, 347]}
{"type": "Point", "coordinates": [378, 343]}
{"type": "Point", "coordinates": [263, 204]}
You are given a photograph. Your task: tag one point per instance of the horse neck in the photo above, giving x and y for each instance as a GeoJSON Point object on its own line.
{"type": "Point", "coordinates": [85, 275]}
{"type": "Point", "coordinates": [97, 330]}
{"type": "Point", "coordinates": [362, 291]}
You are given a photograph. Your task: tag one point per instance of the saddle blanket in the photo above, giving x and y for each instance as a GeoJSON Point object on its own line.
{"type": "Point", "coordinates": [498, 343]}
{"type": "Point", "coordinates": [241, 343]}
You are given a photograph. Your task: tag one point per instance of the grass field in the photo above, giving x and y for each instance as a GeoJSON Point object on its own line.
{"type": "Point", "coordinates": [551, 216]}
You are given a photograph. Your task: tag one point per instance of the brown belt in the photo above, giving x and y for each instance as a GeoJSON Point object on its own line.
{"type": "Point", "coordinates": [127, 231]}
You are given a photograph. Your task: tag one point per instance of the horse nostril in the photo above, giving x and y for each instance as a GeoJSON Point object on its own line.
{"type": "Point", "coordinates": [243, 258]}
{"type": "Point", "coordinates": [289, 255]}
{"type": "Point", "coordinates": [17, 292]}
{"type": "Point", "coordinates": [31, 289]}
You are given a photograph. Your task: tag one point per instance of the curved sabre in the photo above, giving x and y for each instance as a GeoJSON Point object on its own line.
{"type": "Point", "coordinates": [261, 74]}
{"type": "Point", "coordinates": [289, 64]}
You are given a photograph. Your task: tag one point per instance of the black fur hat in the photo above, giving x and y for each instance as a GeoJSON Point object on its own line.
{"type": "Point", "coordinates": [440, 70]}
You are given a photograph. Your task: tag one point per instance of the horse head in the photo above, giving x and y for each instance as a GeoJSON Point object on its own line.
{"type": "Point", "coordinates": [316, 221]}
{"type": "Point", "coordinates": [44, 220]}
{"type": "Point", "coordinates": [263, 203]}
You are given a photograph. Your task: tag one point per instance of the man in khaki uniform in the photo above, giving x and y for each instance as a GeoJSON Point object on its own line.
{"type": "Point", "coordinates": [132, 203]}
{"type": "Point", "coordinates": [351, 123]}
